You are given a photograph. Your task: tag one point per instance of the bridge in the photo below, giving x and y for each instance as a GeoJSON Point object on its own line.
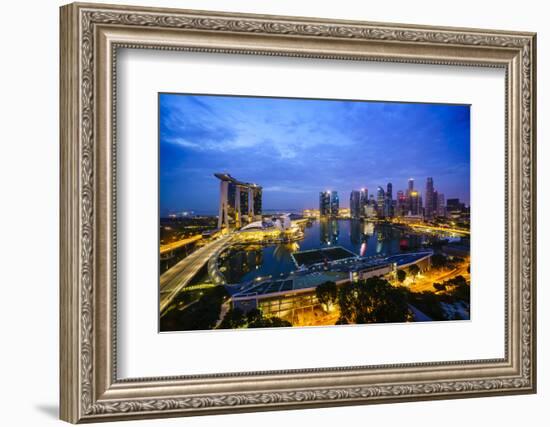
{"type": "Point", "coordinates": [442, 229]}
{"type": "Point", "coordinates": [179, 276]}
{"type": "Point", "coordinates": [169, 247]}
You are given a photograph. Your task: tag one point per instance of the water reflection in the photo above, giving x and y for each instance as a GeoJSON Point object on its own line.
{"type": "Point", "coordinates": [361, 237]}
{"type": "Point", "coordinates": [283, 252]}
{"type": "Point", "coordinates": [238, 262]}
{"type": "Point", "coordinates": [329, 231]}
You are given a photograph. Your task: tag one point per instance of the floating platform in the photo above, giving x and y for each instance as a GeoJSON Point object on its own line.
{"type": "Point", "coordinates": [319, 256]}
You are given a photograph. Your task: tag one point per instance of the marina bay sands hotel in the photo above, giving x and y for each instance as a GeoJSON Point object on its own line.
{"type": "Point", "coordinates": [240, 202]}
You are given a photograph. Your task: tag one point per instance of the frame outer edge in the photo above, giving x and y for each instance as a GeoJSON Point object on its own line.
{"type": "Point", "coordinates": [77, 339]}
{"type": "Point", "coordinates": [533, 209]}
{"type": "Point", "coordinates": [69, 355]}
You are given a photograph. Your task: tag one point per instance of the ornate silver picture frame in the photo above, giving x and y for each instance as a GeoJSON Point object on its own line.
{"type": "Point", "coordinates": [91, 390]}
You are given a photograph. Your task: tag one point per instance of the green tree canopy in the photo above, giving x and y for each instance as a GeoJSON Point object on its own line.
{"type": "Point", "coordinates": [374, 300]}
{"type": "Point", "coordinates": [414, 270]}
{"type": "Point", "coordinates": [401, 275]}
{"type": "Point", "coordinates": [234, 318]}
{"type": "Point", "coordinates": [439, 260]}
{"type": "Point", "coordinates": [327, 294]}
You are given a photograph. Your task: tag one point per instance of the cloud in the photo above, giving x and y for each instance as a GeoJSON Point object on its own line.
{"type": "Point", "coordinates": [213, 126]}
{"type": "Point", "coordinates": [285, 189]}
{"type": "Point", "coordinates": [295, 148]}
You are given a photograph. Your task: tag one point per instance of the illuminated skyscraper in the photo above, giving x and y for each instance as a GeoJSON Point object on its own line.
{"type": "Point", "coordinates": [388, 204]}
{"type": "Point", "coordinates": [430, 200]}
{"type": "Point", "coordinates": [240, 202]}
{"type": "Point", "coordinates": [415, 203]}
{"type": "Point", "coordinates": [334, 203]}
{"type": "Point", "coordinates": [401, 205]}
{"type": "Point", "coordinates": [324, 203]}
{"type": "Point", "coordinates": [441, 209]}
{"type": "Point", "coordinates": [355, 204]}
{"type": "Point", "coordinates": [411, 186]}
{"type": "Point", "coordinates": [380, 202]}
{"type": "Point", "coordinates": [364, 201]}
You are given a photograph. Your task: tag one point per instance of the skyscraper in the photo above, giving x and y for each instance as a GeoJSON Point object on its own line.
{"type": "Point", "coordinates": [401, 205]}
{"type": "Point", "coordinates": [238, 200]}
{"type": "Point", "coordinates": [364, 201]}
{"type": "Point", "coordinates": [334, 203]}
{"type": "Point", "coordinates": [324, 203]}
{"type": "Point", "coordinates": [257, 197]}
{"type": "Point", "coordinates": [441, 209]}
{"type": "Point", "coordinates": [388, 205]}
{"type": "Point", "coordinates": [429, 207]}
{"type": "Point", "coordinates": [415, 203]}
{"type": "Point", "coordinates": [411, 186]}
{"type": "Point", "coordinates": [355, 204]}
{"type": "Point", "coordinates": [380, 200]}
{"type": "Point", "coordinates": [454, 205]}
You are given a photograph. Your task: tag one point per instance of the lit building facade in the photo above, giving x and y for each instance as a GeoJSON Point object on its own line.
{"type": "Point", "coordinates": [364, 201]}
{"type": "Point", "coordinates": [324, 203]}
{"type": "Point", "coordinates": [401, 204]}
{"type": "Point", "coordinates": [329, 203]}
{"type": "Point", "coordinates": [240, 202]}
{"type": "Point", "coordinates": [388, 202]}
{"type": "Point", "coordinates": [380, 202]}
{"type": "Point", "coordinates": [441, 208]}
{"type": "Point", "coordinates": [415, 203]}
{"type": "Point", "coordinates": [334, 203]}
{"type": "Point", "coordinates": [410, 186]}
{"type": "Point", "coordinates": [355, 204]}
{"type": "Point", "coordinates": [430, 199]}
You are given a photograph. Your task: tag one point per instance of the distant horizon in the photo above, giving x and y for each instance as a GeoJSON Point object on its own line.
{"type": "Point", "coordinates": [296, 148]}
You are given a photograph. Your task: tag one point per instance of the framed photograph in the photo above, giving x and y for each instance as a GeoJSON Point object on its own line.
{"type": "Point", "coordinates": [266, 212]}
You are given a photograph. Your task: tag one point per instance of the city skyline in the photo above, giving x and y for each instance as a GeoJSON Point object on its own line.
{"type": "Point", "coordinates": [296, 148]}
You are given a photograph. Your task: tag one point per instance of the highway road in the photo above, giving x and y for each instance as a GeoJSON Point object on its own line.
{"type": "Point", "coordinates": [180, 243]}
{"type": "Point", "coordinates": [176, 278]}
{"type": "Point", "coordinates": [426, 283]}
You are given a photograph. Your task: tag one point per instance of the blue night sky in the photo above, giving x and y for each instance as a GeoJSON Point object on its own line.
{"type": "Point", "coordinates": [295, 148]}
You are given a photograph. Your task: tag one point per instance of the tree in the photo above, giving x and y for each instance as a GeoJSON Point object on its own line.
{"type": "Point", "coordinates": [327, 294]}
{"type": "Point", "coordinates": [233, 319]}
{"type": "Point", "coordinates": [200, 315]}
{"type": "Point", "coordinates": [439, 286]}
{"type": "Point", "coordinates": [439, 260]}
{"type": "Point", "coordinates": [414, 270]}
{"type": "Point", "coordinates": [270, 322]}
{"type": "Point", "coordinates": [428, 303]}
{"type": "Point", "coordinates": [401, 275]}
{"type": "Point", "coordinates": [461, 291]}
{"type": "Point", "coordinates": [372, 301]}
{"type": "Point", "coordinates": [254, 315]}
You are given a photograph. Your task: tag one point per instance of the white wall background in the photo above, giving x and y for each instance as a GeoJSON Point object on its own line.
{"type": "Point", "coordinates": [29, 170]}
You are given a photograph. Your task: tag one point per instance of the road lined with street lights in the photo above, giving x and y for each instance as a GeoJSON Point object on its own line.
{"type": "Point", "coordinates": [180, 243]}
{"type": "Point", "coordinates": [179, 276]}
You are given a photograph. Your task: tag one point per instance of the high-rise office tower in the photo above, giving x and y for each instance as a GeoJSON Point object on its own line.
{"type": "Point", "coordinates": [334, 203]}
{"type": "Point", "coordinates": [411, 186]}
{"type": "Point", "coordinates": [388, 205]}
{"type": "Point", "coordinates": [454, 205]}
{"type": "Point", "coordinates": [415, 203]}
{"type": "Point", "coordinates": [441, 209]}
{"type": "Point", "coordinates": [429, 207]}
{"type": "Point", "coordinates": [364, 201]}
{"type": "Point", "coordinates": [324, 203]}
{"type": "Point", "coordinates": [401, 204]}
{"type": "Point", "coordinates": [380, 201]}
{"type": "Point", "coordinates": [355, 204]}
